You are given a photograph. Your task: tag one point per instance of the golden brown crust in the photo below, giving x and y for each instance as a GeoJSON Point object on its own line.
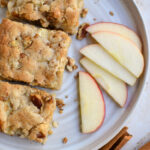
{"type": "Point", "coordinates": [19, 115]}
{"type": "Point", "coordinates": [32, 55]}
{"type": "Point", "coordinates": [3, 3]}
{"type": "Point", "coordinates": [60, 14]}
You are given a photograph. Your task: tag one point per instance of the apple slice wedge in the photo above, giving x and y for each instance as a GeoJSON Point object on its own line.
{"type": "Point", "coordinates": [116, 88]}
{"type": "Point", "coordinates": [123, 50]}
{"type": "Point", "coordinates": [97, 54]}
{"type": "Point", "coordinates": [117, 28]}
{"type": "Point", "coordinates": [91, 103]}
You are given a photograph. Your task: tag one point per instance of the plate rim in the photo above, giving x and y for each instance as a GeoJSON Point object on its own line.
{"type": "Point", "coordinates": [143, 84]}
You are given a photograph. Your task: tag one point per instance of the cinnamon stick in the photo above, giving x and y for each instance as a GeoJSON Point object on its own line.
{"type": "Point", "coordinates": [118, 141]}
{"type": "Point", "coordinates": [145, 147]}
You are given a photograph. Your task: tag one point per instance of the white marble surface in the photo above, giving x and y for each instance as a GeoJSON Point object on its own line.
{"type": "Point", "coordinates": [139, 122]}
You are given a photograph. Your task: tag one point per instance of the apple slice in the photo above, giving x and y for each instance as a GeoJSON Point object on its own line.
{"type": "Point", "coordinates": [114, 87]}
{"type": "Point", "coordinates": [98, 55]}
{"type": "Point", "coordinates": [123, 50]}
{"type": "Point", "coordinates": [91, 103]}
{"type": "Point", "coordinates": [117, 28]}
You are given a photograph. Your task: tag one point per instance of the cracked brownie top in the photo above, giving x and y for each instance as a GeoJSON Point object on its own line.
{"type": "Point", "coordinates": [32, 55]}
{"type": "Point", "coordinates": [25, 111]}
{"type": "Point", "coordinates": [60, 14]}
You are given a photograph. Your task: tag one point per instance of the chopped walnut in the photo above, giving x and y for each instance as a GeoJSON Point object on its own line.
{"type": "Point", "coordinates": [55, 124]}
{"type": "Point", "coordinates": [60, 103]}
{"type": "Point", "coordinates": [84, 12]}
{"type": "Point", "coordinates": [36, 100]}
{"type": "Point", "coordinates": [111, 13]}
{"type": "Point", "coordinates": [65, 140]}
{"type": "Point", "coordinates": [82, 31]}
{"type": "Point", "coordinates": [40, 135]}
{"type": "Point", "coordinates": [27, 41]}
{"type": "Point", "coordinates": [71, 66]}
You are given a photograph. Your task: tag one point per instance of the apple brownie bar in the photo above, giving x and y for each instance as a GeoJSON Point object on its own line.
{"type": "Point", "coordinates": [32, 55]}
{"type": "Point", "coordinates": [26, 112]}
{"type": "Point", "coordinates": [59, 14]}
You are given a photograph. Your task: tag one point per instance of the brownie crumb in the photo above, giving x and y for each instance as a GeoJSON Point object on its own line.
{"type": "Point", "coordinates": [61, 111]}
{"type": "Point", "coordinates": [66, 96]}
{"type": "Point", "coordinates": [65, 140]}
{"type": "Point", "coordinates": [84, 12]}
{"type": "Point", "coordinates": [55, 124]}
{"type": "Point", "coordinates": [111, 13]}
{"type": "Point", "coordinates": [60, 104]}
{"type": "Point", "coordinates": [40, 135]}
{"type": "Point", "coordinates": [82, 31]}
{"type": "Point", "coordinates": [71, 66]}
{"type": "Point", "coordinates": [76, 76]}
{"type": "Point", "coordinates": [94, 19]}
{"type": "Point", "coordinates": [50, 132]}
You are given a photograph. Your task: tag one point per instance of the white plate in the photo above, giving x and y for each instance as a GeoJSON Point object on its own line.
{"type": "Point", "coordinates": [125, 12]}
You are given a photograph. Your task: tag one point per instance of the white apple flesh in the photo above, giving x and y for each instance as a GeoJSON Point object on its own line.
{"type": "Point", "coordinates": [122, 50]}
{"type": "Point", "coordinates": [98, 55]}
{"type": "Point", "coordinates": [117, 28]}
{"type": "Point", "coordinates": [91, 103]}
{"type": "Point", "coordinates": [114, 87]}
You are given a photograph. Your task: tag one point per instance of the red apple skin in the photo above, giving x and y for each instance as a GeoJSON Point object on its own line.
{"type": "Point", "coordinates": [118, 35]}
{"type": "Point", "coordinates": [128, 40]}
{"type": "Point", "coordinates": [102, 87]}
{"type": "Point", "coordinates": [114, 23]}
{"type": "Point", "coordinates": [102, 99]}
{"type": "Point", "coordinates": [112, 98]}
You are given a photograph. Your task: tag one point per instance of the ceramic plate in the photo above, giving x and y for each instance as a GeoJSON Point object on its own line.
{"type": "Point", "coordinates": [125, 12]}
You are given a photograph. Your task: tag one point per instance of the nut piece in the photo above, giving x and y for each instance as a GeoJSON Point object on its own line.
{"type": "Point", "coordinates": [50, 132]}
{"type": "Point", "coordinates": [60, 104]}
{"type": "Point", "coordinates": [36, 100]}
{"type": "Point", "coordinates": [61, 111]}
{"type": "Point", "coordinates": [71, 66]}
{"type": "Point", "coordinates": [40, 135]}
{"type": "Point", "coordinates": [84, 12]}
{"type": "Point", "coordinates": [55, 124]}
{"type": "Point", "coordinates": [111, 13]}
{"type": "Point", "coordinates": [82, 31]}
{"type": "Point", "coordinates": [65, 140]}
{"type": "Point", "coordinates": [27, 41]}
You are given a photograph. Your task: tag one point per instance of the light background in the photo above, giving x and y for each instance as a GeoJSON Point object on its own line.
{"type": "Point", "coordinates": [139, 122]}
